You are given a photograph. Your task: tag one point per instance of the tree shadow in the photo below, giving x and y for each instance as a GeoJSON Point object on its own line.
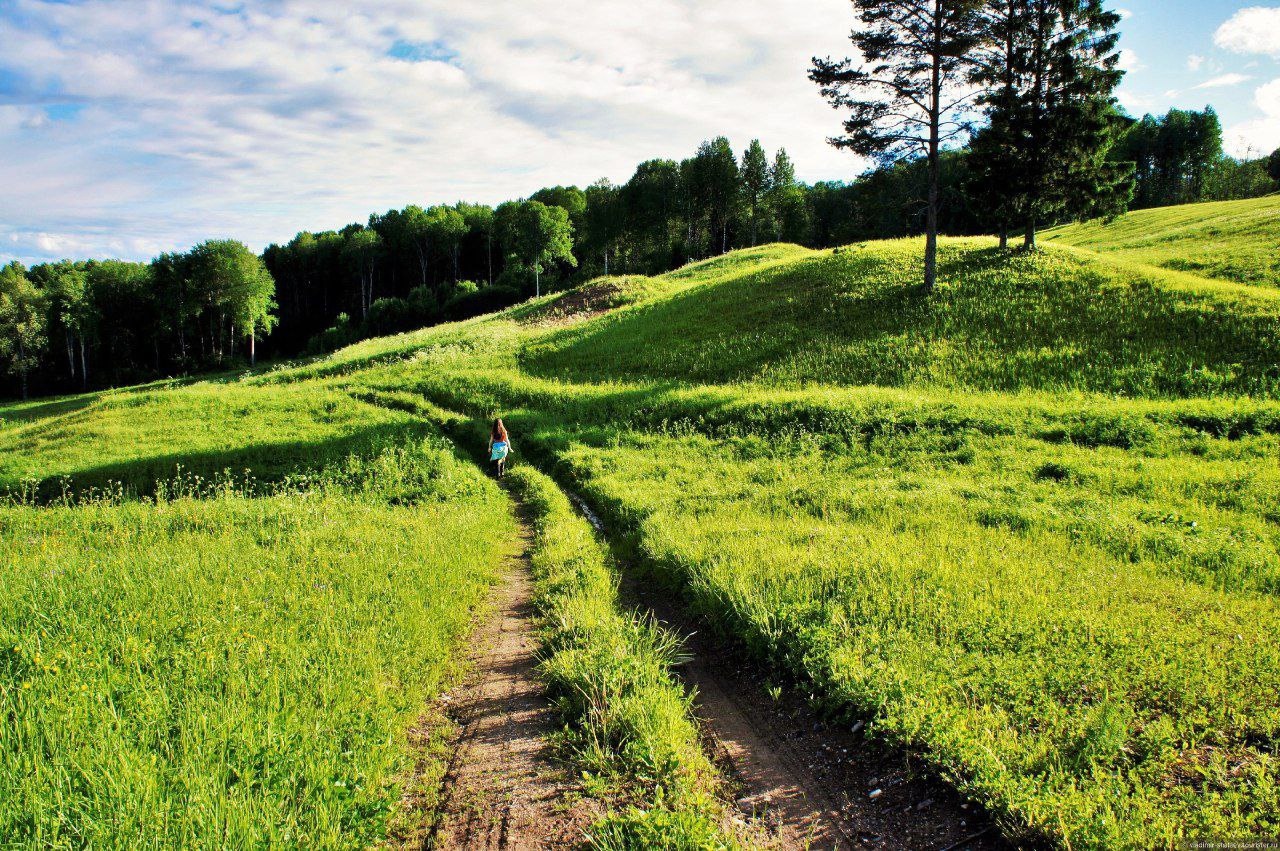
{"type": "Point", "coordinates": [252, 468]}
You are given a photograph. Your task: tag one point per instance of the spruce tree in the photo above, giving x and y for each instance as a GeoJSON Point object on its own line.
{"type": "Point", "coordinates": [755, 187]}
{"type": "Point", "coordinates": [906, 98]}
{"type": "Point", "coordinates": [1052, 114]}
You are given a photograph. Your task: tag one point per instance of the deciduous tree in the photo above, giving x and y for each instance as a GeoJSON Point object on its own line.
{"type": "Point", "coordinates": [22, 323]}
{"type": "Point", "coordinates": [535, 236]}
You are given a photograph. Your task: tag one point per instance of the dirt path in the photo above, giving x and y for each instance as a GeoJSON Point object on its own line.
{"type": "Point", "coordinates": [810, 785]}
{"type": "Point", "coordinates": [501, 790]}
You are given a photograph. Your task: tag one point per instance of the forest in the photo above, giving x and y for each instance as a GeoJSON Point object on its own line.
{"type": "Point", "coordinates": [76, 325]}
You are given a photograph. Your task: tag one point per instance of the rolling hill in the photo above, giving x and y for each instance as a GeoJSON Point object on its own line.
{"type": "Point", "coordinates": [1225, 240]}
{"type": "Point", "coordinates": [1026, 527]}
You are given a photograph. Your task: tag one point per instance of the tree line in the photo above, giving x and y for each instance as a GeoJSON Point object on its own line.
{"type": "Point", "coordinates": [72, 325]}
{"type": "Point", "coordinates": [983, 117]}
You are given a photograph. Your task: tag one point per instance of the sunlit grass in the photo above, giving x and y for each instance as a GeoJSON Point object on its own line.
{"type": "Point", "coordinates": [1043, 548]}
{"type": "Point", "coordinates": [1228, 240]}
{"type": "Point", "coordinates": [232, 670]}
{"type": "Point", "coordinates": [1027, 525]}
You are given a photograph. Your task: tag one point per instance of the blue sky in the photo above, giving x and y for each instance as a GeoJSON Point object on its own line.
{"type": "Point", "coordinates": [129, 127]}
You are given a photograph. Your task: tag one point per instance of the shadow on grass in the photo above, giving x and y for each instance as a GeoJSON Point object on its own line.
{"type": "Point", "coordinates": [254, 468]}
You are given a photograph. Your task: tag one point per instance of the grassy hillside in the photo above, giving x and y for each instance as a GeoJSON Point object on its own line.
{"type": "Point", "coordinates": [1063, 597]}
{"type": "Point", "coordinates": [1054, 321]}
{"type": "Point", "coordinates": [1027, 526]}
{"type": "Point", "coordinates": [1225, 240]}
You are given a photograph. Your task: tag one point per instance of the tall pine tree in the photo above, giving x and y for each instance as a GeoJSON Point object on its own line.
{"type": "Point", "coordinates": [1050, 69]}
{"type": "Point", "coordinates": [756, 183]}
{"type": "Point", "coordinates": [906, 98]}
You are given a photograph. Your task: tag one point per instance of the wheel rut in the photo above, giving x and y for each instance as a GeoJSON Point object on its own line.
{"type": "Point", "coordinates": [804, 782]}
{"type": "Point", "coordinates": [502, 790]}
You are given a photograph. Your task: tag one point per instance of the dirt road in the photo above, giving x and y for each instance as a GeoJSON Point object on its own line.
{"type": "Point", "coordinates": [501, 789]}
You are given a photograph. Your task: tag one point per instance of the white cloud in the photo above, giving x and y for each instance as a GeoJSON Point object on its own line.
{"type": "Point", "coordinates": [1252, 30]}
{"type": "Point", "coordinates": [1194, 61]}
{"type": "Point", "coordinates": [1223, 80]}
{"type": "Point", "coordinates": [1129, 61]}
{"type": "Point", "coordinates": [1125, 14]}
{"type": "Point", "coordinates": [191, 122]}
{"type": "Point", "coordinates": [1261, 135]}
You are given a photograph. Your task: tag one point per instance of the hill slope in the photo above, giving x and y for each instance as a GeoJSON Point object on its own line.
{"type": "Point", "coordinates": [1227, 240]}
{"type": "Point", "coordinates": [1027, 526]}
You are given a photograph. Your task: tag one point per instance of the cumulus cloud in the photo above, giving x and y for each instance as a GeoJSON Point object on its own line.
{"type": "Point", "coordinates": [129, 126]}
{"type": "Point", "coordinates": [1261, 135]}
{"type": "Point", "coordinates": [1194, 62]}
{"type": "Point", "coordinates": [1252, 30]}
{"type": "Point", "coordinates": [1129, 61]}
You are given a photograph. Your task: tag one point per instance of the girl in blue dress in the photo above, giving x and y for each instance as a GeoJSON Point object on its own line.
{"type": "Point", "coordinates": [499, 446]}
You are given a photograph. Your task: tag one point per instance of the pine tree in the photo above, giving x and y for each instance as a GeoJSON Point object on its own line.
{"type": "Point", "coordinates": [787, 201]}
{"type": "Point", "coordinates": [907, 99]}
{"type": "Point", "coordinates": [993, 151]}
{"type": "Point", "coordinates": [1052, 115]}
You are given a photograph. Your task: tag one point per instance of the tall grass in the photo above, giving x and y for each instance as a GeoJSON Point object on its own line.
{"type": "Point", "coordinates": [232, 670]}
{"type": "Point", "coordinates": [630, 722]}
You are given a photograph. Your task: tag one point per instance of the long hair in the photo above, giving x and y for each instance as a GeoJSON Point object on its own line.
{"type": "Point", "coordinates": [499, 433]}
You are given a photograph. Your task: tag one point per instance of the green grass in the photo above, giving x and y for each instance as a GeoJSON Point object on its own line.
{"type": "Point", "coordinates": [630, 722]}
{"type": "Point", "coordinates": [134, 438]}
{"type": "Point", "coordinates": [1054, 321]}
{"type": "Point", "coordinates": [1226, 240]}
{"type": "Point", "coordinates": [1027, 526]}
{"type": "Point", "coordinates": [235, 670]}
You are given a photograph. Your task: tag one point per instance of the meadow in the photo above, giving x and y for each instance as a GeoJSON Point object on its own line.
{"type": "Point", "coordinates": [233, 661]}
{"type": "Point", "coordinates": [1026, 528]}
{"type": "Point", "coordinates": [1224, 240]}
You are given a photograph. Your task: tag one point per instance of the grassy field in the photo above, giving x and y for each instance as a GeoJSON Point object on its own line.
{"type": "Point", "coordinates": [1027, 527]}
{"type": "Point", "coordinates": [235, 661]}
{"type": "Point", "coordinates": [1226, 240]}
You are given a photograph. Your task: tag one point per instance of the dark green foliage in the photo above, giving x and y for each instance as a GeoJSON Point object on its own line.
{"type": "Point", "coordinates": [486, 300]}
{"type": "Point", "coordinates": [1175, 157]}
{"type": "Point", "coordinates": [903, 97]}
{"type": "Point", "coordinates": [1050, 70]}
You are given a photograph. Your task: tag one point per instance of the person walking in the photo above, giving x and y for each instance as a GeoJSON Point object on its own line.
{"type": "Point", "coordinates": [499, 446]}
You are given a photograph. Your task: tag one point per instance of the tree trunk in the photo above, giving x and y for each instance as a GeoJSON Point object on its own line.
{"type": "Point", "coordinates": [489, 251]}
{"type": "Point", "coordinates": [84, 366]}
{"type": "Point", "coordinates": [253, 354]}
{"type": "Point", "coordinates": [22, 359]}
{"type": "Point", "coordinates": [606, 262]}
{"type": "Point", "coordinates": [71, 354]}
{"type": "Point", "coordinates": [1029, 242]}
{"type": "Point", "coordinates": [537, 281]}
{"type": "Point", "coordinates": [935, 120]}
{"type": "Point", "coordinates": [1004, 237]}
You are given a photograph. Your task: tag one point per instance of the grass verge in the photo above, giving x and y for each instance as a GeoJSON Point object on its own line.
{"type": "Point", "coordinates": [609, 672]}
